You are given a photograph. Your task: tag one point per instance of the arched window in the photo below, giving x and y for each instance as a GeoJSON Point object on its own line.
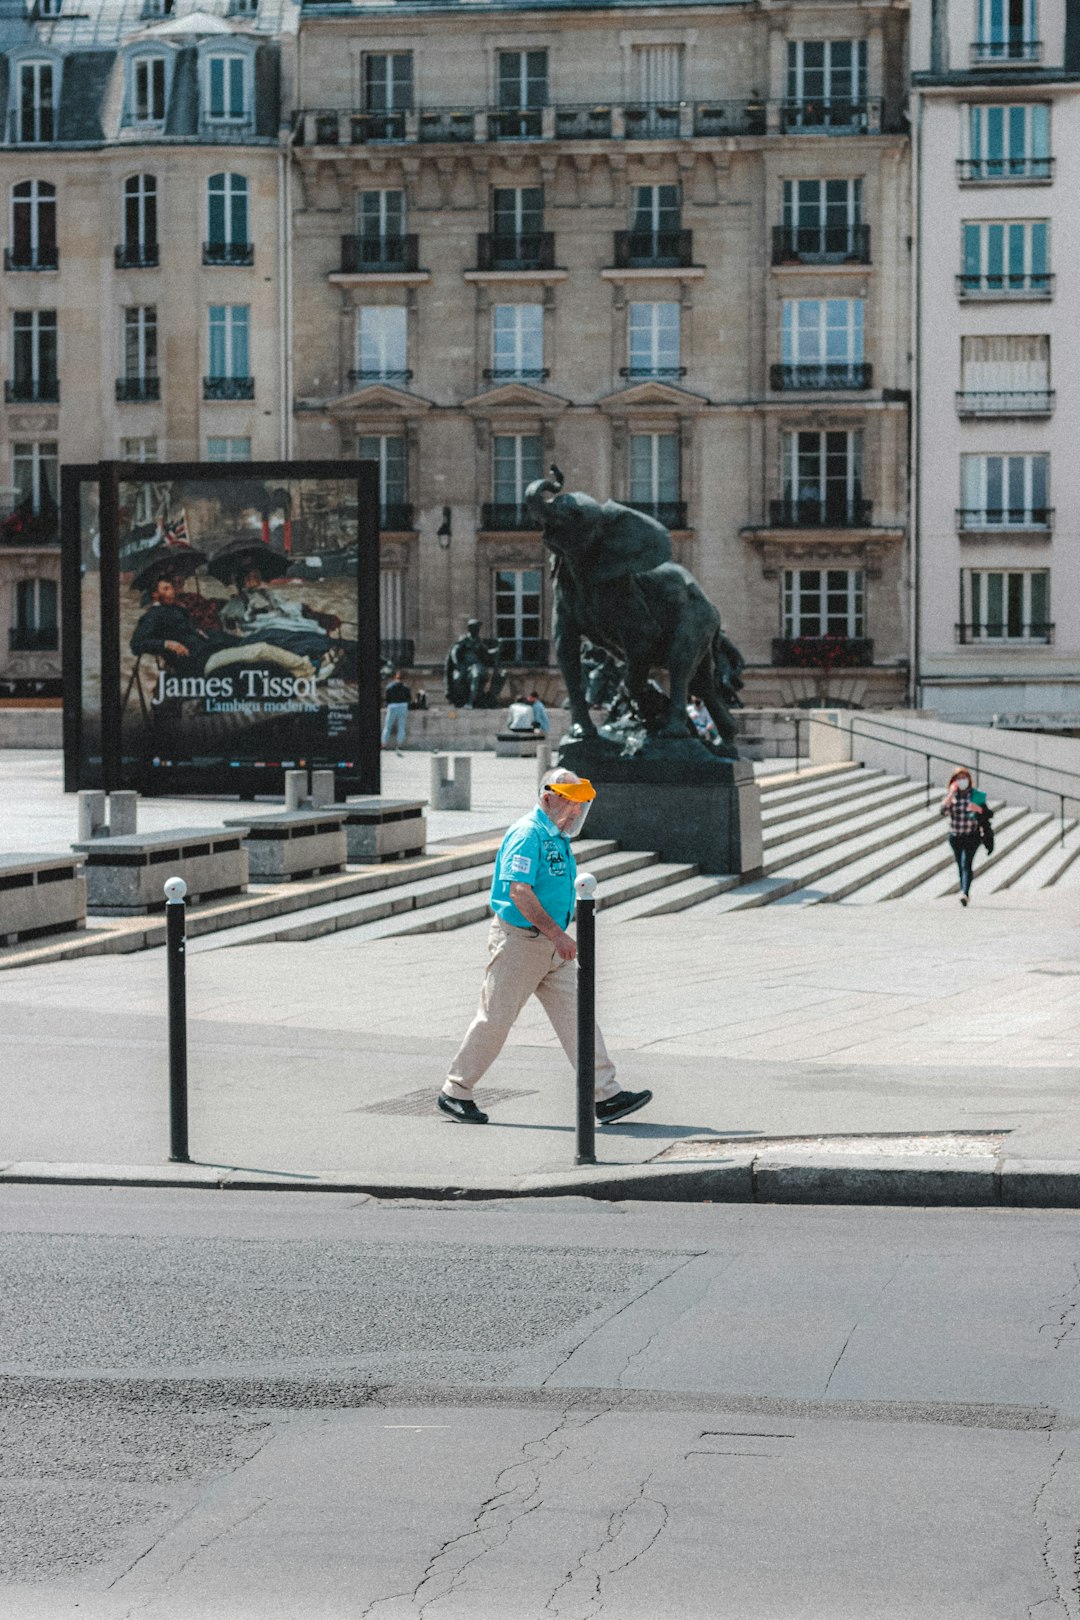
{"type": "Point", "coordinates": [227, 226]}
{"type": "Point", "coordinates": [37, 98]}
{"type": "Point", "coordinates": [33, 226]}
{"type": "Point", "coordinates": [140, 244]}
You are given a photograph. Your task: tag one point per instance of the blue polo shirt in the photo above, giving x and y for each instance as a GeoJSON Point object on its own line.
{"type": "Point", "coordinates": [535, 852]}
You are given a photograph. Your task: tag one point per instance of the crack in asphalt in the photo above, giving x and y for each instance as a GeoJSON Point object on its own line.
{"type": "Point", "coordinates": [618, 1521]}
{"type": "Point", "coordinates": [1058, 1598]}
{"type": "Point", "coordinates": [890, 1279]}
{"type": "Point", "coordinates": [229, 1529]}
{"type": "Point", "coordinates": [696, 1254]}
{"type": "Point", "coordinates": [1067, 1318]}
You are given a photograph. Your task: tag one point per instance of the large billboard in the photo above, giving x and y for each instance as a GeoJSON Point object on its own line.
{"type": "Point", "coordinates": [221, 625]}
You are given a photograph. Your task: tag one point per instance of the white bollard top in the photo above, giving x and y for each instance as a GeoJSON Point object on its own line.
{"type": "Point", "coordinates": [175, 890]}
{"type": "Point", "coordinates": [585, 886]}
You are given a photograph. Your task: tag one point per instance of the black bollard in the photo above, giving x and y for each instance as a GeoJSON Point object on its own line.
{"type": "Point", "coordinates": [585, 888]}
{"type": "Point", "coordinates": [175, 918]}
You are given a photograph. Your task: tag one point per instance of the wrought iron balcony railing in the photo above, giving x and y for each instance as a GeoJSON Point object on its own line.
{"type": "Point", "coordinates": [653, 249]}
{"type": "Point", "coordinates": [831, 512]}
{"type": "Point", "coordinates": [40, 638]}
{"type": "Point", "coordinates": [838, 374]}
{"type": "Point", "coordinates": [672, 514]}
{"type": "Point", "coordinates": [39, 258]}
{"type": "Point", "coordinates": [522, 651]}
{"type": "Point", "coordinates": [830, 116]}
{"type": "Point", "coordinates": [376, 374]}
{"type": "Point", "coordinates": [659, 373]}
{"type": "Point", "coordinates": [822, 652]}
{"type": "Point", "coordinates": [137, 256]}
{"type": "Point", "coordinates": [1008, 170]}
{"type": "Point", "coordinates": [821, 244]}
{"type": "Point", "coordinates": [361, 255]}
{"type": "Point", "coordinates": [228, 253]}
{"type": "Point", "coordinates": [516, 374]}
{"type": "Point", "coordinates": [32, 391]}
{"type": "Point", "coordinates": [1004, 630]}
{"type": "Point", "coordinates": [137, 389]}
{"type": "Point", "coordinates": [1015, 47]}
{"type": "Point", "coordinates": [533, 250]}
{"type": "Point", "coordinates": [978, 519]}
{"type": "Point", "coordinates": [507, 517]}
{"type": "Point", "coordinates": [1006, 284]}
{"type": "Point", "coordinates": [1026, 402]}
{"type": "Point", "coordinates": [731, 118]}
{"type": "Point", "coordinates": [395, 517]}
{"type": "Point", "coordinates": [219, 388]}
{"type": "Point", "coordinates": [516, 124]}
{"type": "Point", "coordinates": [447, 125]}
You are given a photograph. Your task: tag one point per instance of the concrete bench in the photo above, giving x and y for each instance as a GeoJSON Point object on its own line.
{"type": "Point", "coordinates": [518, 744]}
{"type": "Point", "coordinates": [40, 894]}
{"type": "Point", "coordinates": [126, 875]}
{"type": "Point", "coordinates": [384, 829]}
{"type": "Point", "coordinates": [294, 843]}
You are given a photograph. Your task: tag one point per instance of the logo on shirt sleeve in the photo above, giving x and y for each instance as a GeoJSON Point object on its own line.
{"type": "Point", "coordinates": [520, 863]}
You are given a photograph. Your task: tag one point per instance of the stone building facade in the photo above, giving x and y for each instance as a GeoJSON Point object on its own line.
{"type": "Point", "coordinates": [663, 246]}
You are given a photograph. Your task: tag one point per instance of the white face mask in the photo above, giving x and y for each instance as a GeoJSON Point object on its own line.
{"type": "Point", "coordinates": [962, 784]}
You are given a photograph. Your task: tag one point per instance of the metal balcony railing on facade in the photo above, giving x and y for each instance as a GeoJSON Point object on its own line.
{"type": "Point", "coordinates": [377, 125]}
{"type": "Point", "coordinates": [533, 250]}
{"type": "Point", "coordinates": [1004, 403]}
{"type": "Point", "coordinates": [225, 388]}
{"type": "Point", "coordinates": [583, 123]}
{"type": "Point", "coordinates": [137, 256]}
{"type": "Point", "coordinates": [362, 255]}
{"type": "Point", "coordinates": [228, 253]}
{"type": "Point", "coordinates": [447, 125]}
{"type": "Point", "coordinates": [32, 391]}
{"type": "Point", "coordinates": [137, 390]}
{"type": "Point", "coordinates": [636, 250]}
{"type": "Point", "coordinates": [718, 118]}
{"type": "Point", "coordinates": [656, 373]}
{"type": "Point", "coordinates": [821, 244]}
{"type": "Point", "coordinates": [1026, 519]}
{"type": "Point", "coordinates": [672, 514]}
{"type": "Point", "coordinates": [830, 116]}
{"type": "Point", "coordinates": [1005, 630]}
{"type": "Point", "coordinates": [834, 374]}
{"type": "Point", "coordinates": [822, 652]}
{"type": "Point", "coordinates": [515, 374]}
{"type": "Point", "coordinates": [507, 517]}
{"type": "Point", "coordinates": [1006, 284]}
{"type": "Point", "coordinates": [39, 258]}
{"type": "Point", "coordinates": [1004, 170]}
{"type": "Point", "coordinates": [843, 512]}
{"type": "Point", "coordinates": [24, 638]}
{"type": "Point", "coordinates": [516, 124]}
{"type": "Point", "coordinates": [396, 517]}
{"type": "Point", "coordinates": [522, 651]}
{"type": "Point", "coordinates": [363, 375]}
{"type": "Point", "coordinates": [1015, 48]}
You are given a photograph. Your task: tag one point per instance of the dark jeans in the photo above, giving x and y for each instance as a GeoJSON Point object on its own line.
{"type": "Point", "coordinates": [964, 849]}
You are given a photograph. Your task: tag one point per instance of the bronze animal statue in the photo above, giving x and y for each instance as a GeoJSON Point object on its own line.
{"type": "Point", "coordinates": [616, 586]}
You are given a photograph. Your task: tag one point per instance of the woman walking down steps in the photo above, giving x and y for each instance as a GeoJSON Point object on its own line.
{"type": "Point", "coordinates": [966, 825]}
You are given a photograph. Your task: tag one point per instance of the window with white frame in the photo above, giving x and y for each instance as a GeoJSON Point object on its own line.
{"type": "Point", "coordinates": [654, 476]}
{"type": "Point", "coordinates": [1006, 604]}
{"type": "Point", "coordinates": [823, 602]}
{"type": "Point", "coordinates": [36, 626]}
{"type": "Point", "coordinates": [822, 342]}
{"type": "Point", "coordinates": [34, 353]}
{"type": "Point", "coordinates": [523, 79]}
{"type": "Point", "coordinates": [517, 212]}
{"type": "Point", "coordinates": [229, 341]}
{"type": "Point", "coordinates": [146, 99]}
{"type": "Point", "coordinates": [144, 448]}
{"type": "Point", "coordinates": [388, 450]}
{"type": "Point", "coordinates": [230, 448]}
{"type": "Point", "coordinates": [1005, 491]}
{"type": "Point", "coordinates": [821, 475]}
{"type": "Point", "coordinates": [227, 211]}
{"type": "Point", "coordinates": [1005, 375]}
{"type": "Point", "coordinates": [826, 83]}
{"type": "Point", "coordinates": [140, 245]}
{"type": "Point", "coordinates": [821, 217]}
{"type": "Point", "coordinates": [380, 215]}
{"type": "Point", "coordinates": [140, 343]}
{"type": "Point", "coordinates": [227, 97]}
{"type": "Point", "coordinates": [1007, 142]}
{"type": "Point", "coordinates": [33, 226]}
{"type": "Point", "coordinates": [517, 341]}
{"type": "Point", "coordinates": [34, 475]}
{"type": "Point", "coordinates": [36, 109]}
{"type": "Point", "coordinates": [1002, 256]}
{"type": "Point", "coordinates": [388, 81]}
{"type": "Point", "coordinates": [516, 462]}
{"type": "Point", "coordinates": [382, 344]}
{"type": "Point", "coordinates": [518, 613]}
{"type": "Point", "coordinates": [653, 341]}
{"type": "Point", "coordinates": [1007, 31]}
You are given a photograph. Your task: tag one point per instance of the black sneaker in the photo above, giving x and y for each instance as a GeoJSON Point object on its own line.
{"type": "Point", "coordinates": [623, 1103]}
{"type": "Point", "coordinates": [462, 1109]}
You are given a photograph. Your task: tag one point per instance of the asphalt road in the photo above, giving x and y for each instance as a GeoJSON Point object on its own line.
{"type": "Point", "coordinates": [241, 1406]}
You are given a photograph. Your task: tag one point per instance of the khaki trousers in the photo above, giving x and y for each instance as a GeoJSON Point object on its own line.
{"type": "Point", "coordinates": [522, 964]}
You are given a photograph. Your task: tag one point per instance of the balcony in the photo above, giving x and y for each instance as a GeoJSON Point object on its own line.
{"type": "Point", "coordinates": [1037, 284]}
{"type": "Point", "coordinates": [719, 118]}
{"type": "Point", "coordinates": [655, 373]}
{"type": "Point", "coordinates": [503, 517]}
{"type": "Point", "coordinates": [1016, 403]}
{"type": "Point", "coordinates": [396, 517]}
{"type": "Point", "coordinates": [834, 512]}
{"type": "Point", "coordinates": [39, 258]}
{"type": "Point", "coordinates": [821, 244]}
{"type": "Point", "coordinates": [968, 635]}
{"type": "Point", "coordinates": [137, 256]}
{"type": "Point", "coordinates": [1004, 519]}
{"type": "Point", "coordinates": [534, 250]}
{"type": "Point", "coordinates": [1004, 171]}
{"type": "Point", "coordinates": [27, 638]}
{"type": "Point", "coordinates": [504, 374]}
{"type": "Point", "coordinates": [835, 374]}
{"type": "Point", "coordinates": [363, 376]}
{"type": "Point", "coordinates": [516, 124]}
{"type": "Point", "coordinates": [228, 253]}
{"type": "Point", "coordinates": [365, 255]}
{"type": "Point", "coordinates": [822, 652]}
{"type": "Point", "coordinates": [137, 390]}
{"type": "Point", "coordinates": [1008, 52]}
{"type": "Point", "coordinates": [830, 116]}
{"type": "Point", "coordinates": [646, 250]}
{"type": "Point", "coordinates": [32, 391]}
{"type": "Point", "coordinates": [377, 125]}
{"type": "Point", "coordinates": [447, 126]}
{"type": "Point", "coordinates": [228, 388]}
{"type": "Point", "coordinates": [522, 651]}
{"type": "Point", "coordinates": [672, 514]}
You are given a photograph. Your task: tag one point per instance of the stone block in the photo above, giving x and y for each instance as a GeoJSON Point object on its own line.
{"type": "Point", "coordinates": [40, 894]}
{"type": "Point", "coordinates": [294, 844]}
{"type": "Point", "coordinates": [384, 829]}
{"type": "Point", "coordinates": [451, 792]}
{"type": "Point", "coordinates": [123, 814]}
{"type": "Point", "coordinates": [517, 744]}
{"type": "Point", "coordinates": [93, 817]}
{"type": "Point", "coordinates": [125, 876]}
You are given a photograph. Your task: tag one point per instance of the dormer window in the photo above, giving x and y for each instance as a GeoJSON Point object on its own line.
{"type": "Point", "coordinates": [147, 100]}
{"type": "Point", "coordinates": [227, 93]}
{"type": "Point", "coordinates": [36, 113]}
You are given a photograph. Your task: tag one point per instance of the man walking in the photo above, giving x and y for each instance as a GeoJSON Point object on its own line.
{"type": "Point", "coordinates": [398, 698]}
{"type": "Point", "coordinates": [531, 954]}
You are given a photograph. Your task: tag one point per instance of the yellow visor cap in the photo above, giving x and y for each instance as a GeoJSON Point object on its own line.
{"type": "Point", "coordinates": [580, 792]}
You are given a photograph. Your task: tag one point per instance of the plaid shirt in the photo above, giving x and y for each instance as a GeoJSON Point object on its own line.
{"type": "Point", "coordinates": [963, 819]}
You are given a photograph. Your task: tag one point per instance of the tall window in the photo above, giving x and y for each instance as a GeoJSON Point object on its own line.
{"type": "Point", "coordinates": [227, 99]}
{"type": "Point", "coordinates": [823, 602]}
{"type": "Point", "coordinates": [1006, 256]}
{"type": "Point", "coordinates": [822, 342]}
{"type": "Point", "coordinates": [144, 448]}
{"type": "Point", "coordinates": [34, 469]}
{"type": "Point", "coordinates": [1007, 31]}
{"type": "Point", "coordinates": [654, 476]}
{"type": "Point", "coordinates": [33, 226]}
{"type": "Point", "coordinates": [148, 90]}
{"type": "Point", "coordinates": [654, 210]}
{"type": "Point", "coordinates": [34, 356]}
{"type": "Point", "coordinates": [36, 111]}
{"type": "Point", "coordinates": [392, 604]}
{"type": "Point", "coordinates": [822, 479]}
{"type": "Point", "coordinates": [1008, 142]}
{"type": "Point", "coordinates": [36, 627]}
{"type": "Point", "coordinates": [228, 227]}
{"type": "Point", "coordinates": [140, 343]}
{"type": "Point", "coordinates": [821, 217]}
{"type": "Point", "coordinates": [1007, 604]}
{"type": "Point", "coordinates": [380, 215]}
{"type": "Point", "coordinates": [658, 79]}
{"type": "Point", "coordinates": [516, 461]}
{"type": "Point", "coordinates": [518, 613]}
{"type": "Point", "coordinates": [826, 83]}
{"type": "Point", "coordinates": [388, 93]}
{"type": "Point", "coordinates": [653, 340]}
{"type": "Point", "coordinates": [1005, 375]}
{"type": "Point", "coordinates": [229, 351]}
{"type": "Point", "coordinates": [517, 341]}
{"type": "Point", "coordinates": [140, 245]}
{"type": "Point", "coordinates": [388, 450]}
{"type": "Point", "coordinates": [517, 212]}
{"type": "Point", "coordinates": [382, 344]}
{"type": "Point", "coordinates": [228, 449]}
{"type": "Point", "coordinates": [523, 92]}
{"type": "Point", "coordinates": [1008, 492]}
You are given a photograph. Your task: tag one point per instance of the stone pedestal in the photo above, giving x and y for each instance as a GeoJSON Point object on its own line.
{"type": "Point", "coordinates": [675, 797]}
{"type": "Point", "coordinates": [40, 894]}
{"type": "Point", "coordinates": [384, 829]}
{"type": "Point", "coordinates": [294, 844]}
{"type": "Point", "coordinates": [127, 875]}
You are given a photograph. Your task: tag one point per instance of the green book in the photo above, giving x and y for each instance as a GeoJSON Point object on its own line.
{"type": "Point", "coordinates": [977, 797]}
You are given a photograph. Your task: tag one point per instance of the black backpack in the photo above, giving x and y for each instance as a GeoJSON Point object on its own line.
{"type": "Point", "coordinates": [986, 828]}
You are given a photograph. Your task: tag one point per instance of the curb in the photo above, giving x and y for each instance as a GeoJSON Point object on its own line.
{"type": "Point", "coordinates": [742, 1178]}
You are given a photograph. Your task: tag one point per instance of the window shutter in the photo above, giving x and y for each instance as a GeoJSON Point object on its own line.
{"type": "Point", "coordinates": [659, 73]}
{"type": "Point", "coordinates": [1005, 364]}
